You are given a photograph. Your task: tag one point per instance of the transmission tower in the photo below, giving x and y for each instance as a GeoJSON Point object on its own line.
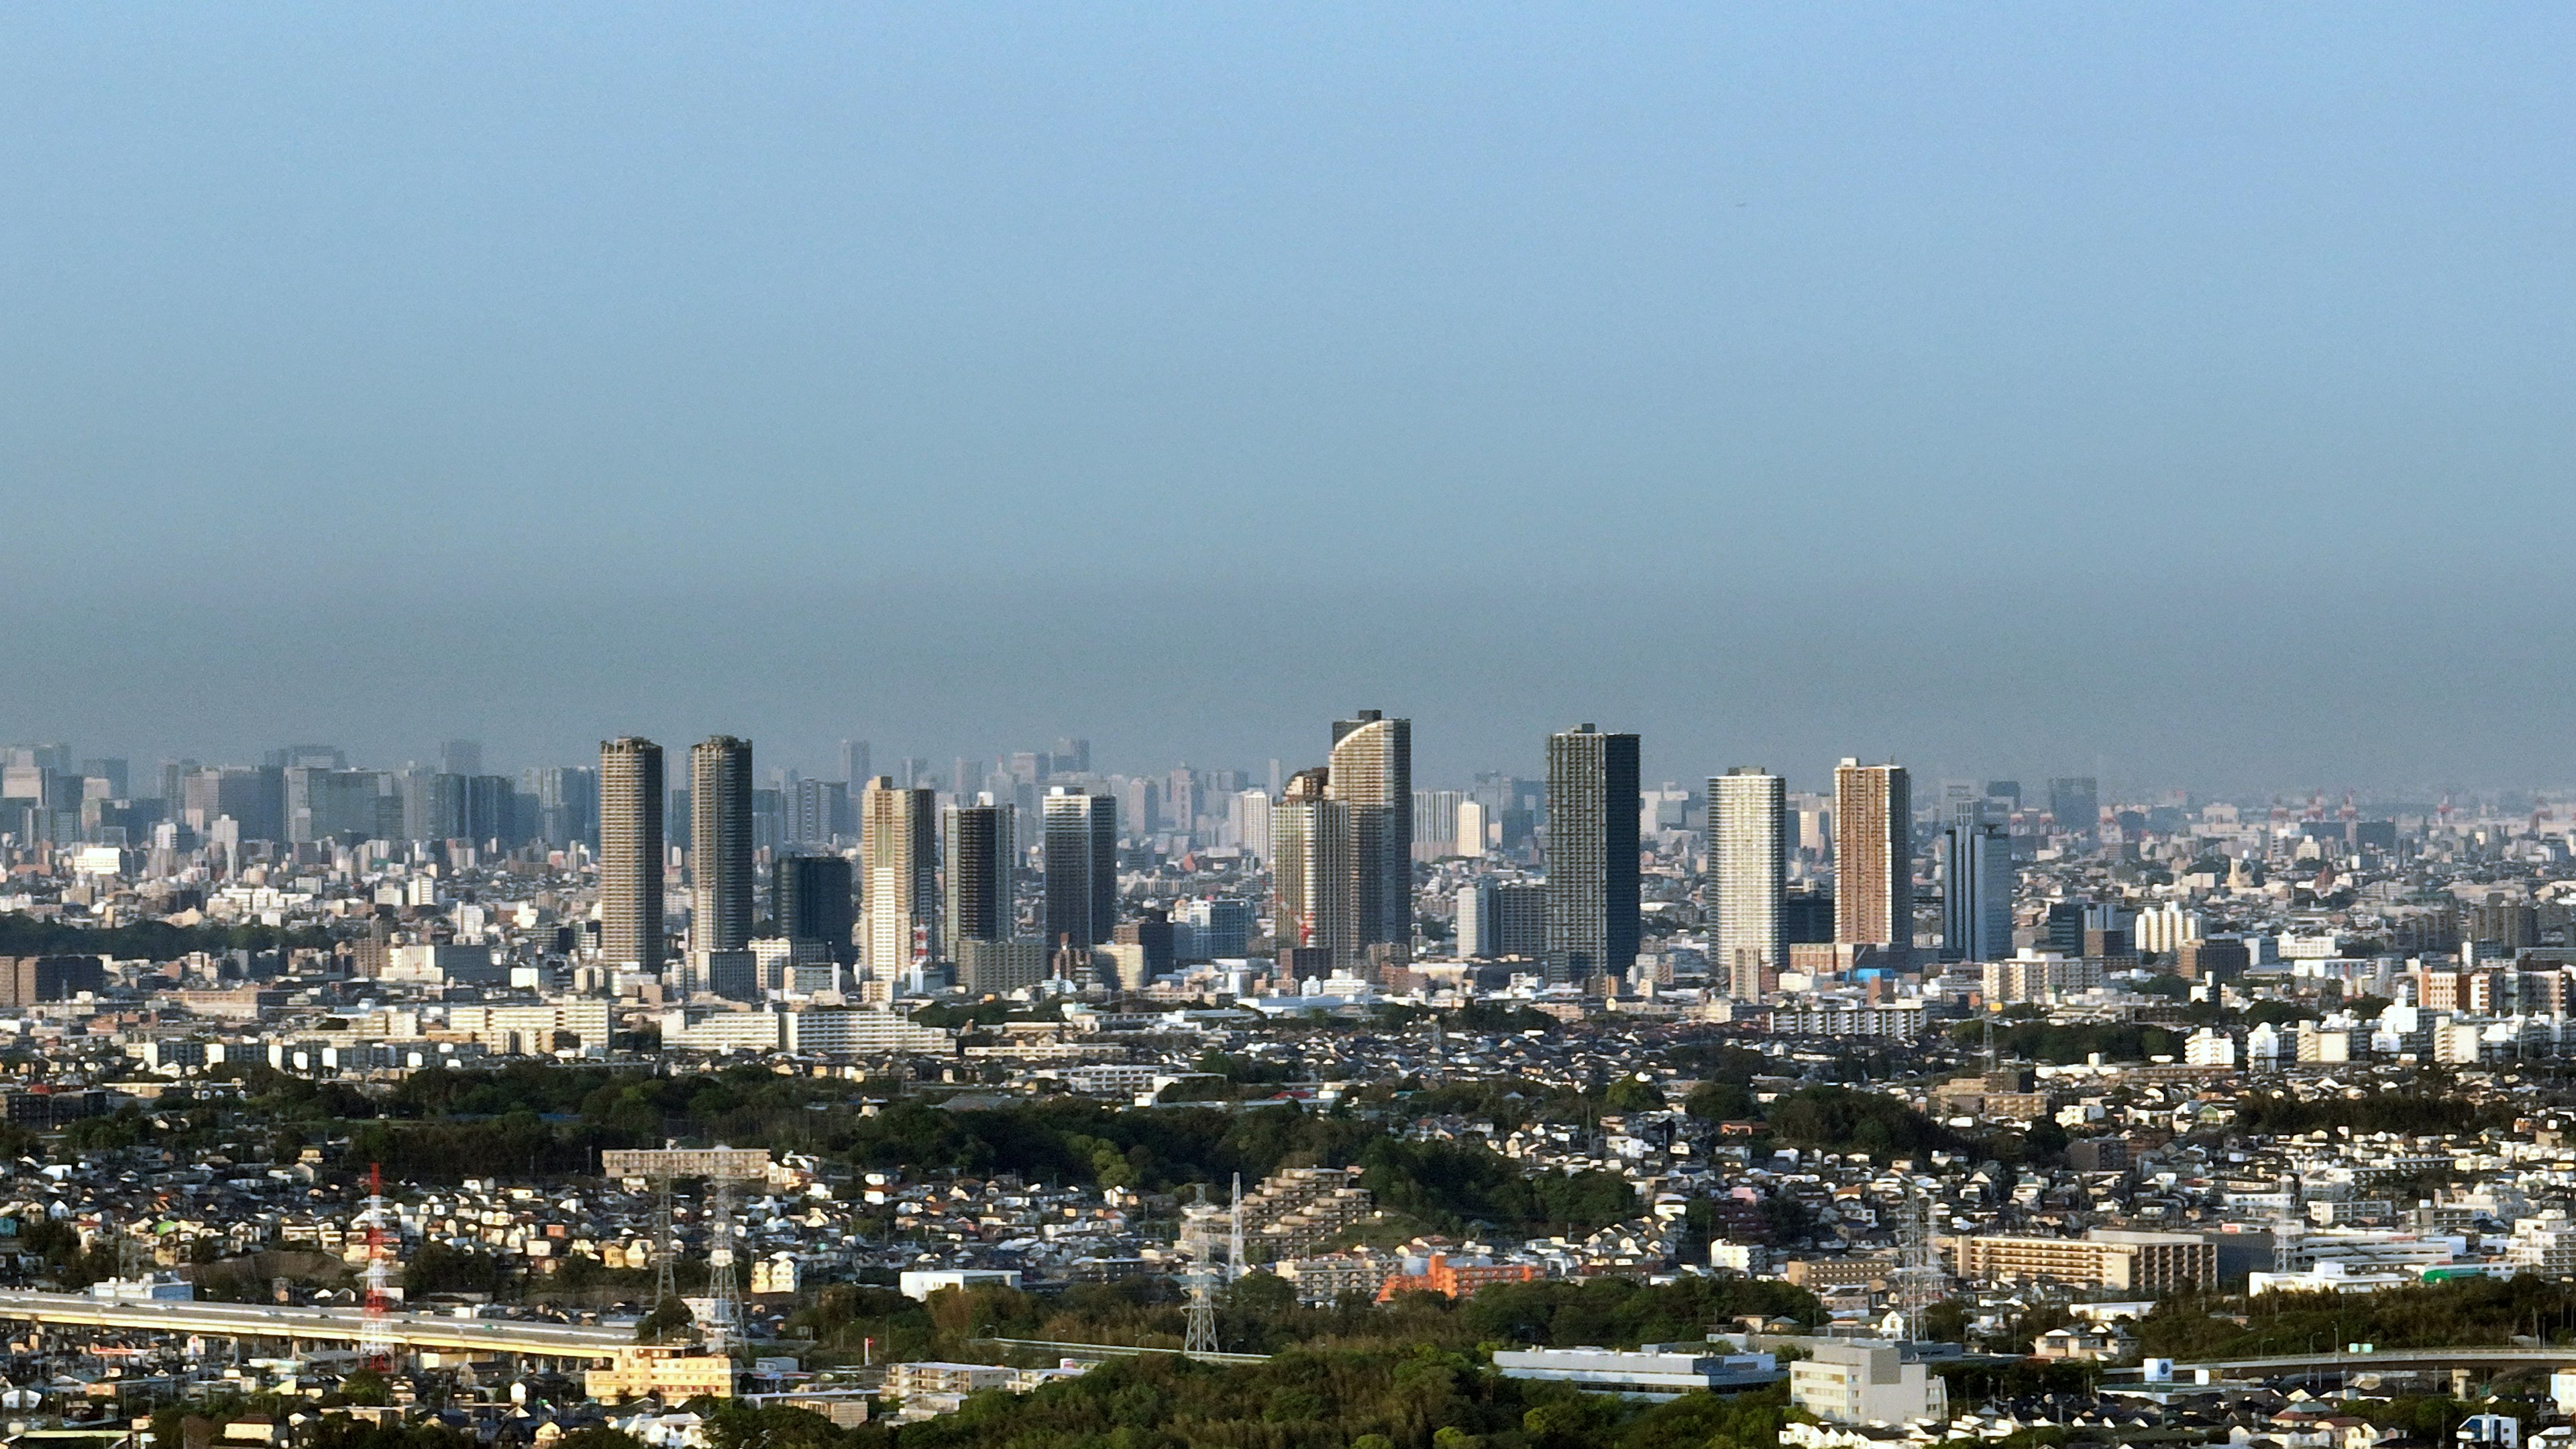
{"type": "Point", "coordinates": [1202, 1329]}
{"type": "Point", "coordinates": [1918, 1270]}
{"type": "Point", "coordinates": [375, 1336]}
{"type": "Point", "coordinates": [665, 1249]}
{"type": "Point", "coordinates": [2287, 1229]}
{"type": "Point", "coordinates": [725, 1332]}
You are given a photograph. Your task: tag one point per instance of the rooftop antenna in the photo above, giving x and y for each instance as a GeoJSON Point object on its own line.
{"type": "Point", "coordinates": [1918, 1275]}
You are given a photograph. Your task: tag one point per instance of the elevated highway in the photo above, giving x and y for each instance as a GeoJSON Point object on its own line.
{"type": "Point", "coordinates": [318, 1325]}
{"type": "Point", "coordinates": [2383, 1360]}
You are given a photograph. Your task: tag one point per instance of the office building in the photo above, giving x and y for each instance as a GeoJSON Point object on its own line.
{"type": "Point", "coordinates": [982, 867]}
{"type": "Point", "coordinates": [458, 757]}
{"type": "Point", "coordinates": [1313, 874]}
{"type": "Point", "coordinates": [567, 805]}
{"type": "Point", "coordinates": [899, 875]}
{"type": "Point", "coordinates": [1081, 867]}
{"type": "Point", "coordinates": [1748, 873]}
{"type": "Point", "coordinates": [855, 769]}
{"type": "Point", "coordinates": [1976, 892]}
{"type": "Point", "coordinates": [813, 899]}
{"type": "Point", "coordinates": [1873, 856]}
{"type": "Point", "coordinates": [2075, 802]}
{"type": "Point", "coordinates": [630, 853]}
{"type": "Point", "coordinates": [1371, 771]}
{"type": "Point", "coordinates": [1867, 1381]}
{"type": "Point", "coordinates": [1593, 884]}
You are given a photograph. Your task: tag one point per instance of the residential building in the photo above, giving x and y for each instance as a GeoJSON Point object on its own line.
{"type": "Point", "coordinates": [1873, 857]}
{"type": "Point", "coordinates": [1748, 872]}
{"type": "Point", "coordinates": [1594, 889]}
{"type": "Point", "coordinates": [630, 854]}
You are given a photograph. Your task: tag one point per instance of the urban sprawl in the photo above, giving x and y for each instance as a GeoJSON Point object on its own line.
{"type": "Point", "coordinates": [1011, 1102]}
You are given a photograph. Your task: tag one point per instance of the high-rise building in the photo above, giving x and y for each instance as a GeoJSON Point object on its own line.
{"type": "Point", "coordinates": [1593, 882]}
{"type": "Point", "coordinates": [812, 897]}
{"type": "Point", "coordinates": [1371, 771]}
{"type": "Point", "coordinates": [982, 866]}
{"type": "Point", "coordinates": [1435, 824]}
{"type": "Point", "coordinates": [855, 770]}
{"type": "Point", "coordinates": [1873, 856]}
{"type": "Point", "coordinates": [1748, 874]}
{"type": "Point", "coordinates": [1313, 879]}
{"type": "Point", "coordinates": [1081, 867]}
{"type": "Point", "coordinates": [720, 845]}
{"type": "Point", "coordinates": [630, 853]}
{"type": "Point", "coordinates": [1470, 838]}
{"type": "Point", "coordinates": [1976, 891]}
{"type": "Point", "coordinates": [899, 864]}
{"type": "Point", "coordinates": [567, 800]}
{"type": "Point", "coordinates": [460, 757]}
{"type": "Point", "coordinates": [2075, 801]}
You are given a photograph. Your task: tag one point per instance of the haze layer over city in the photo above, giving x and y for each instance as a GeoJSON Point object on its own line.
{"type": "Point", "coordinates": [879, 727]}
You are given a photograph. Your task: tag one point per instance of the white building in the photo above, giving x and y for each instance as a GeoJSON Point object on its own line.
{"type": "Point", "coordinates": [2210, 1047]}
{"type": "Point", "coordinates": [1653, 1371]}
{"type": "Point", "coordinates": [1866, 1382]}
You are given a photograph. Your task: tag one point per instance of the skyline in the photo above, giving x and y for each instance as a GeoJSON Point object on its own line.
{"type": "Point", "coordinates": [2124, 393]}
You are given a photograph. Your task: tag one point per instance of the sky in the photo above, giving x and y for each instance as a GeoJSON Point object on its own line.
{"type": "Point", "coordinates": [2179, 392]}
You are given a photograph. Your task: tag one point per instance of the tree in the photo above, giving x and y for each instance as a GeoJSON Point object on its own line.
{"type": "Point", "coordinates": [669, 1319]}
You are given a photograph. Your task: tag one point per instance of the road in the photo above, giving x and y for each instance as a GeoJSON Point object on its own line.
{"type": "Point", "coordinates": [253, 1320]}
{"type": "Point", "coordinates": [2386, 1359]}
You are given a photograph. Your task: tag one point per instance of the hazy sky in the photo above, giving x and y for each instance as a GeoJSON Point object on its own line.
{"type": "Point", "coordinates": [2005, 388]}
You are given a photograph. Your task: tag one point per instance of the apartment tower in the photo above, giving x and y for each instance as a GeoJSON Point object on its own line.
{"type": "Point", "coordinates": [981, 870]}
{"type": "Point", "coordinates": [1873, 856]}
{"type": "Point", "coordinates": [720, 845]}
{"type": "Point", "coordinates": [1748, 871]}
{"type": "Point", "coordinates": [1312, 879]}
{"type": "Point", "coordinates": [1593, 880]}
{"type": "Point", "coordinates": [1371, 771]}
{"type": "Point", "coordinates": [1081, 868]}
{"type": "Point", "coordinates": [630, 854]}
{"type": "Point", "coordinates": [899, 875]}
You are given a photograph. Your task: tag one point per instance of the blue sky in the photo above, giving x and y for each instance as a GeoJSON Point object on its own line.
{"type": "Point", "coordinates": [2007, 388]}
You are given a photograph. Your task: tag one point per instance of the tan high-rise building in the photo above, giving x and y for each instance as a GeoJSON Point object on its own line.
{"type": "Point", "coordinates": [1873, 856]}
{"type": "Point", "coordinates": [899, 871]}
{"type": "Point", "coordinates": [1748, 875]}
{"type": "Point", "coordinates": [630, 854]}
{"type": "Point", "coordinates": [720, 845]}
{"type": "Point", "coordinates": [1371, 771]}
{"type": "Point", "coordinates": [1310, 870]}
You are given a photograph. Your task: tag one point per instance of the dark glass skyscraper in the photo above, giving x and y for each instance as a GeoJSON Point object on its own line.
{"type": "Point", "coordinates": [812, 896]}
{"type": "Point", "coordinates": [1593, 885]}
{"type": "Point", "coordinates": [980, 870]}
{"type": "Point", "coordinates": [1081, 867]}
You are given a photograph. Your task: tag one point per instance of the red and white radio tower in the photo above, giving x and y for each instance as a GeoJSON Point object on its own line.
{"type": "Point", "coordinates": [376, 1338]}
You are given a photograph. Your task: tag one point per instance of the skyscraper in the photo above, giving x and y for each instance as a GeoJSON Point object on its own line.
{"type": "Point", "coordinates": [981, 868]}
{"type": "Point", "coordinates": [720, 845]}
{"type": "Point", "coordinates": [1371, 771]}
{"type": "Point", "coordinates": [630, 853]}
{"type": "Point", "coordinates": [2076, 803]}
{"type": "Point", "coordinates": [1748, 873]}
{"type": "Point", "coordinates": [1081, 867]}
{"type": "Point", "coordinates": [1873, 856]}
{"type": "Point", "coordinates": [460, 757]}
{"type": "Point", "coordinates": [899, 855]}
{"type": "Point", "coordinates": [813, 899]}
{"type": "Point", "coordinates": [1976, 890]}
{"type": "Point", "coordinates": [1312, 875]}
{"type": "Point", "coordinates": [855, 770]}
{"type": "Point", "coordinates": [1593, 886]}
